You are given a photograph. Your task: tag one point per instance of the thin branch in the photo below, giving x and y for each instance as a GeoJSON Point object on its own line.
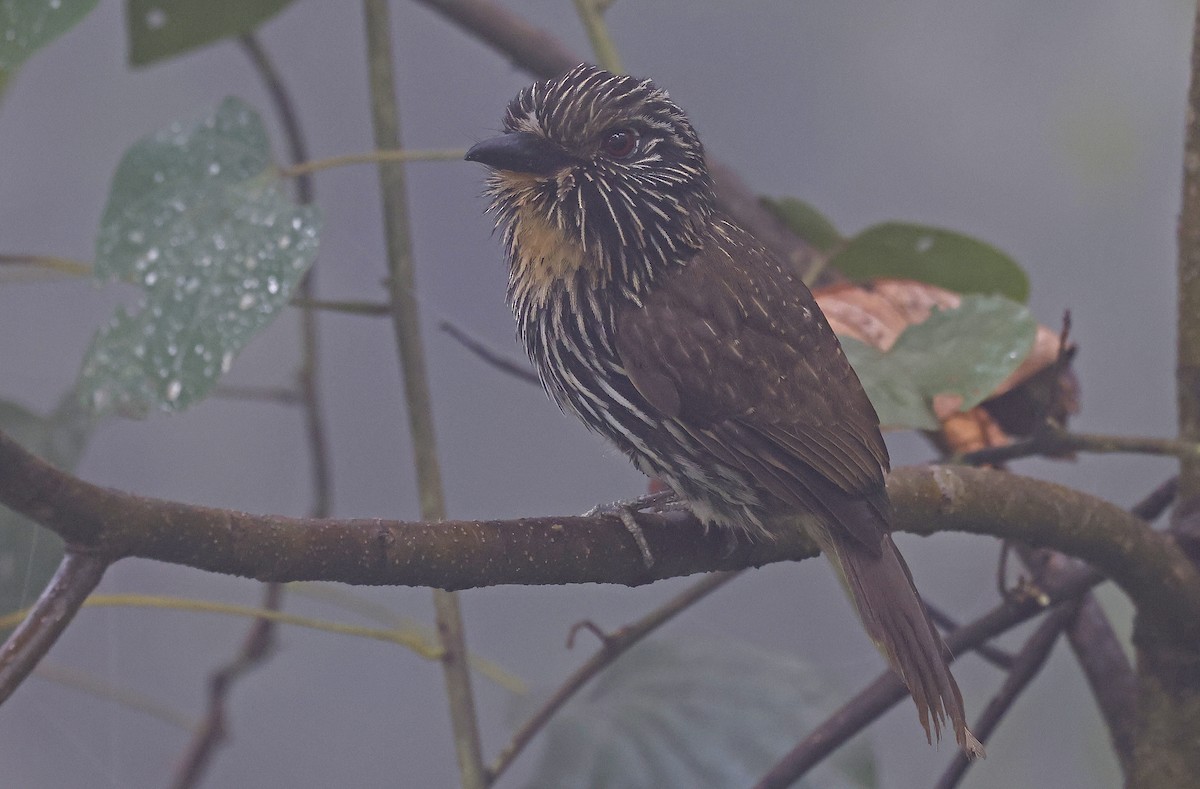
{"type": "Point", "coordinates": [612, 646]}
{"type": "Point", "coordinates": [1109, 675]}
{"type": "Point", "coordinates": [260, 638]}
{"type": "Point", "coordinates": [74, 268]}
{"type": "Point", "coordinates": [307, 377]}
{"type": "Point", "coordinates": [256, 648]}
{"type": "Point", "coordinates": [591, 13]}
{"type": "Point", "coordinates": [1098, 651]}
{"type": "Point", "coordinates": [77, 575]}
{"type": "Point", "coordinates": [521, 372]}
{"type": "Point", "coordinates": [278, 395]}
{"type": "Point", "coordinates": [543, 55]}
{"type": "Point", "coordinates": [1027, 665]}
{"type": "Point", "coordinates": [385, 116]}
{"type": "Point", "coordinates": [887, 690]}
{"type": "Point", "coordinates": [369, 309]}
{"type": "Point", "coordinates": [529, 47]}
{"type": "Point", "coordinates": [1153, 506]}
{"type": "Point", "coordinates": [302, 167]}
{"type": "Point", "coordinates": [992, 654]}
{"type": "Point", "coordinates": [1054, 440]}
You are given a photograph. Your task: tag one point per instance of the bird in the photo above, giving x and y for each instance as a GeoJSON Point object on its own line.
{"type": "Point", "coordinates": [663, 325]}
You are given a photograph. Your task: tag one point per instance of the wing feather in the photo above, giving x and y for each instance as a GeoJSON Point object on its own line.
{"type": "Point", "coordinates": [762, 384]}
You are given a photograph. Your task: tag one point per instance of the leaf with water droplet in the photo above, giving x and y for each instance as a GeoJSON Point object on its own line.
{"type": "Point", "coordinates": [958, 356]}
{"type": "Point", "coordinates": [217, 250]}
{"type": "Point", "coordinates": [28, 25]}
{"type": "Point", "coordinates": [699, 714]}
{"type": "Point", "coordinates": [159, 30]}
{"type": "Point", "coordinates": [930, 254]}
{"type": "Point", "coordinates": [29, 553]}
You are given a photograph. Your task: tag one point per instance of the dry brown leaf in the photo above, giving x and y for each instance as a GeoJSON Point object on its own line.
{"type": "Point", "coordinates": [877, 312]}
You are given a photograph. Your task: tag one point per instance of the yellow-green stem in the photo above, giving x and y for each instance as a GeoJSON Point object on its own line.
{"type": "Point", "coordinates": [385, 117]}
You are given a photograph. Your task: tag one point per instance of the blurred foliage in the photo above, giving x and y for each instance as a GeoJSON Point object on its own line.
{"type": "Point", "coordinates": [698, 714]}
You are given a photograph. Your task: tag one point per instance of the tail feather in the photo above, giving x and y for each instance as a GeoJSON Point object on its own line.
{"type": "Point", "coordinates": [882, 590]}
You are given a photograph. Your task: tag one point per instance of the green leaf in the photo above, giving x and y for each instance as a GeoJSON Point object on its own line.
{"type": "Point", "coordinates": [198, 217]}
{"type": "Point", "coordinates": [928, 254]}
{"type": "Point", "coordinates": [805, 221]}
{"type": "Point", "coordinates": [28, 25]}
{"type": "Point", "coordinates": [692, 714]}
{"type": "Point", "coordinates": [160, 29]}
{"type": "Point", "coordinates": [29, 554]}
{"type": "Point", "coordinates": [967, 351]}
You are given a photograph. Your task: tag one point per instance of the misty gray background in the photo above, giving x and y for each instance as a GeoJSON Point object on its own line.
{"type": "Point", "coordinates": [1052, 130]}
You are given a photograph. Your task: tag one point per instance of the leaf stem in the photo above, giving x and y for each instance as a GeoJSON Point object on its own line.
{"type": "Point", "coordinates": [370, 309]}
{"type": "Point", "coordinates": [372, 157]}
{"type": "Point", "coordinates": [74, 268]}
{"type": "Point", "coordinates": [1053, 440]}
{"type": "Point", "coordinates": [591, 13]}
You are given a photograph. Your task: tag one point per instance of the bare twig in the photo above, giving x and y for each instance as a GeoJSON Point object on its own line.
{"type": "Point", "coordinates": [303, 167]}
{"type": "Point", "coordinates": [1151, 507]}
{"type": "Point", "coordinates": [322, 475]}
{"type": "Point", "coordinates": [1109, 675]}
{"type": "Point", "coordinates": [264, 394]}
{"type": "Point", "coordinates": [73, 268]}
{"type": "Point", "coordinates": [368, 309]}
{"type": "Point", "coordinates": [1053, 440]}
{"type": "Point", "coordinates": [992, 654]}
{"type": "Point", "coordinates": [385, 117]}
{"type": "Point", "coordinates": [1028, 664]}
{"type": "Point", "coordinates": [256, 647]}
{"type": "Point", "coordinates": [77, 575]}
{"type": "Point", "coordinates": [521, 372]}
{"type": "Point", "coordinates": [1099, 653]}
{"type": "Point", "coordinates": [612, 646]}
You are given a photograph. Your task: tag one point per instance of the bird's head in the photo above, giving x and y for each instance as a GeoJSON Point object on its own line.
{"type": "Point", "coordinates": [607, 163]}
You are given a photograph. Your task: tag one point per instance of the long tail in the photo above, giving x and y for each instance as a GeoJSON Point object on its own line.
{"type": "Point", "coordinates": [882, 590]}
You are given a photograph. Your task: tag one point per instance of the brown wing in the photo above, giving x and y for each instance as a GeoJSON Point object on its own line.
{"type": "Point", "coordinates": [735, 349]}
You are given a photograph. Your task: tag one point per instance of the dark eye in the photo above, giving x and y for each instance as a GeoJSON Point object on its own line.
{"type": "Point", "coordinates": [620, 143]}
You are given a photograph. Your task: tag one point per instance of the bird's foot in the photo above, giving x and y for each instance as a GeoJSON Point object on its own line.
{"type": "Point", "coordinates": [627, 512]}
{"type": "Point", "coordinates": [652, 502]}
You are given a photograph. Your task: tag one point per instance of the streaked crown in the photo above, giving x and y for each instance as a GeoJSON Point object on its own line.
{"type": "Point", "coordinates": [611, 162]}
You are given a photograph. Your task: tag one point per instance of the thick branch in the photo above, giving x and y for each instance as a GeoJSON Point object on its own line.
{"type": "Point", "coordinates": [1147, 565]}
{"type": "Point", "coordinates": [463, 554]}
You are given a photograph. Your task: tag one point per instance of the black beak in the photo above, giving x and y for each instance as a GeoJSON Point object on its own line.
{"type": "Point", "coordinates": [519, 152]}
